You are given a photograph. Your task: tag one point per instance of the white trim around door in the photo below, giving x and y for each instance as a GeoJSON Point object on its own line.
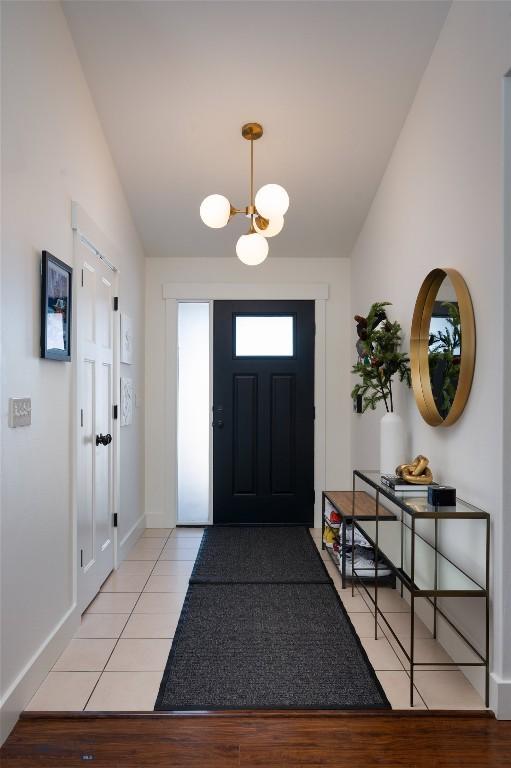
{"type": "Point", "coordinates": [173, 293]}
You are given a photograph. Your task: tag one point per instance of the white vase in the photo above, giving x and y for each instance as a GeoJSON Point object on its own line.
{"type": "Point", "coordinates": [392, 443]}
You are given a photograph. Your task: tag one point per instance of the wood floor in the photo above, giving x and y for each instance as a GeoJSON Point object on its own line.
{"type": "Point", "coordinates": [267, 740]}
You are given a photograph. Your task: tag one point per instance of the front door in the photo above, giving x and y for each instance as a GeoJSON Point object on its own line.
{"type": "Point", "coordinates": [263, 412]}
{"type": "Point", "coordinates": [95, 293]}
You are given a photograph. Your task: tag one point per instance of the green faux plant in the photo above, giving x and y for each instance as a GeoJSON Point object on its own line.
{"type": "Point", "coordinates": [379, 358]}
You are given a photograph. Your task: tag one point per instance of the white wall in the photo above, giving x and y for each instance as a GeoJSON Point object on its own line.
{"type": "Point", "coordinates": [440, 204]}
{"type": "Point", "coordinates": [53, 151]}
{"type": "Point", "coordinates": [333, 271]}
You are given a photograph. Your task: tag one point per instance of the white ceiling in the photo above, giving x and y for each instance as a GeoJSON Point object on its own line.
{"type": "Point", "coordinates": [331, 82]}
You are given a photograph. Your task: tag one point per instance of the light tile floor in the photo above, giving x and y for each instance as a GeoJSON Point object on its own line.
{"type": "Point", "coordinates": [116, 660]}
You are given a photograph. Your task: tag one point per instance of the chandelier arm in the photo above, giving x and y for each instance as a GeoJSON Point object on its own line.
{"type": "Point", "coordinates": [234, 211]}
{"type": "Point", "coordinates": [250, 207]}
{"type": "Point", "coordinates": [251, 202]}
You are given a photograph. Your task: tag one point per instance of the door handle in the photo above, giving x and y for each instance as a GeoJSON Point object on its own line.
{"type": "Point", "coordinates": [103, 439]}
{"type": "Point", "coordinates": [219, 422]}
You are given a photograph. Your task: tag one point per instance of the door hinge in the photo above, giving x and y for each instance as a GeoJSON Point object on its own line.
{"type": "Point", "coordinates": [81, 558]}
{"type": "Point", "coordinates": [115, 411]}
{"type": "Point", "coordinates": [115, 519]}
{"type": "Point", "coordinates": [116, 303]}
{"type": "Point", "coordinates": [314, 412]}
{"type": "Point", "coordinates": [81, 417]}
{"type": "Point", "coordinates": [82, 278]}
{"type": "Point", "coordinates": [313, 497]}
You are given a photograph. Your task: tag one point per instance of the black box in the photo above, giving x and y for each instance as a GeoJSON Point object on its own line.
{"type": "Point", "coordinates": [442, 496]}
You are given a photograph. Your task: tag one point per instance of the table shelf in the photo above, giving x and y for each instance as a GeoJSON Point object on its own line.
{"type": "Point", "coordinates": [346, 504]}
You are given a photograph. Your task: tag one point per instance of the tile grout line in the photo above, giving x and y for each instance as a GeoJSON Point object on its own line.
{"type": "Point", "coordinates": [127, 620]}
{"type": "Point", "coordinates": [385, 632]}
{"type": "Point", "coordinates": [102, 672]}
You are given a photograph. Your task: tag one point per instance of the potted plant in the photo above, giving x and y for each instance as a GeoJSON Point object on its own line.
{"type": "Point", "coordinates": [380, 360]}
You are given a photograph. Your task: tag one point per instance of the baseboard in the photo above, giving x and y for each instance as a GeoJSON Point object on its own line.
{"type": "Point", "coordinates": [33, 674]}
{"type": "Point", "coordinates": [158, 521]}
{"type": "Point", "coordinates": [500, 697]}
{"type": "Point", "coordinates": [131, 537]}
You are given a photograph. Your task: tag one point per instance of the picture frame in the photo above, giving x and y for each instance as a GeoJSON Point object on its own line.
{"type": "Point", "coordinates": [56, 308]}
{"type": "Point", "coordinates": [127, 398]}
{"type": "Point", "coordinates": [126, 339]}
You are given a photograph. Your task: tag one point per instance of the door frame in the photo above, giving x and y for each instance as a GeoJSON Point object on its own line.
{"type": "Point", "coordinates": [175, 293]}
{"type": "Point", "coordinates": [87, 234]}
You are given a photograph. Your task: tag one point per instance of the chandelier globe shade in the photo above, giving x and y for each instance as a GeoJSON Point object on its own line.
{"type": "Point", "coordinates": [271, 201]}
{"type": "Point", "coordinates": [252, 249]}
{"type": "Point", "coordinates": [275, 226]}
{"type": "Point", "coordinates": [215, 211]}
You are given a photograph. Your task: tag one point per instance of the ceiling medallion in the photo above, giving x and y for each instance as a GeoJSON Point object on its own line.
{"type": "Point", "coordinates": [266, 211]}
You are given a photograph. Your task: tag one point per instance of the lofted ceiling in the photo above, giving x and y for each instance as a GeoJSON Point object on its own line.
{"type": "Point", "coordinates": [331, 82]}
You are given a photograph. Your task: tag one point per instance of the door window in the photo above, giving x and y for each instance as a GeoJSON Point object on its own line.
{"type": "Point", "coordinates": [264, 335]}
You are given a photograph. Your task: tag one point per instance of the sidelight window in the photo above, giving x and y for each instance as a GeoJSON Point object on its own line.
{"type": "Point", "coordinates": [193, 413]}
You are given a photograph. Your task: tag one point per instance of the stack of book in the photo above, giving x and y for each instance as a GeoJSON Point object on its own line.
{"type": "Point", "coordinates": [398, 485]}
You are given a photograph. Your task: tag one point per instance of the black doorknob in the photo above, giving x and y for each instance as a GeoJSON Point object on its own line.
{"type": "Point", "coordinates": [103, 439]}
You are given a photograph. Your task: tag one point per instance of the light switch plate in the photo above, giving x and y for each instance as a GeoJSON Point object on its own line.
{"type": "Point", "coordinates": [20, 411]}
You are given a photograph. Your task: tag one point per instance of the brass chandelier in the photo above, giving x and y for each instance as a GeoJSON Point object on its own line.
{"type": "Point", "coordinates": [265, 211]}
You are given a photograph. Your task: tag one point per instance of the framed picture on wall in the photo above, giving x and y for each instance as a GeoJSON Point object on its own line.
{"type": "Point", "coordinates": [126, 339]}
{"type": "Point", "coordinates": [56, 308]}
{"type": "Point", "coordinates": [127, 397]}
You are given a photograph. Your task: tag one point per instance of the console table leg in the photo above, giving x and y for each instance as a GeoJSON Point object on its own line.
{"type": "Point", "coordinates": [487, 606]}
{"type": "Point", "coordinates": [322, 521]}
{"type": "Point", "coordinates": [436, 579]}
{"type": "Point", "coordinates": [412, 631]}
{"type": "Point", "coordinates": [343, 553]}
{"type": "Point", "coordinates": [412, 610]}
{"type": "Point", "coordinates": [352, 538]}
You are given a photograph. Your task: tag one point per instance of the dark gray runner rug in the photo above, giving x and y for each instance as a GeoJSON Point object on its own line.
{"type": "Point", "coordinates": [266, 645]}
{"type": "Point", "coordinates": [255, 555]}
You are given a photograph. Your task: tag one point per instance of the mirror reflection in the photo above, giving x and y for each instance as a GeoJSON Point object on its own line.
{"type": "Point", "coordinates": [444, 352]}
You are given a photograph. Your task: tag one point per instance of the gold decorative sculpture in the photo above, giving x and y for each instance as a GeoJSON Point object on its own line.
{"type": "Point", "coordinates": [417, 472]}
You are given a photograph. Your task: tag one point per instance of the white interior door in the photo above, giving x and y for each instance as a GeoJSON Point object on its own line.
{"type": "Point", "coordinates": [95, 342]}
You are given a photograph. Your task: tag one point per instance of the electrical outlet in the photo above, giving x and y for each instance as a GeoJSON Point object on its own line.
{"type": "Point", "coordinates": [20, 411]}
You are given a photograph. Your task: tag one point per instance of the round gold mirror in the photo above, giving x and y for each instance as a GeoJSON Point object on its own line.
{"type": "Point", "coordinates": [442, 347]}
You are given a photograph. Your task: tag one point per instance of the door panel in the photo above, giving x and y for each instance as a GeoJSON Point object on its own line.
{"type": "Point", "coordinates": [245, 434]}
{"type": "Point", "coordinates": [95, 399]}
{"type": "Point", "coordinates": [283, 433]}
{"type": "Point", "coordinates": [263, 412]}
{"type": "Point", "coordinates": [87, 302]}
{"type": "Point", "coordinates": [102, 481]}
{"type": "Point", "coordinates": [104, 311]}
{"type": "Point", "coordinates": [86, 465]}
